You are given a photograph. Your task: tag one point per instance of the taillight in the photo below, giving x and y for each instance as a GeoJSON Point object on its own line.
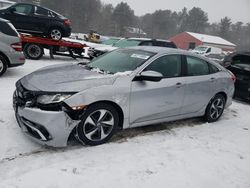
{"type": "Point", "coordinates": [17, 46]}
{"type": "Point", "coordinates": [67, 22]}
{"type": "Point", "coordinates": [232, 76]}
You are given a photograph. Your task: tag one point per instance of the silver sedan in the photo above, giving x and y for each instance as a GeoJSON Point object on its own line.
{"type": "Point", "coordinates": [122, 89]}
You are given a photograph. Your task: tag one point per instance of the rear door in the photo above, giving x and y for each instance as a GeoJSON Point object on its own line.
{"type": "Point", "coordinates": [41, 19]}
{"type": "Point", "coordinates": [198, 85]}
{"type": "Point", "coordinates": [158, 100]}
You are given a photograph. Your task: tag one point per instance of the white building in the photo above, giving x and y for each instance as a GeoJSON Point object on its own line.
{"type": "Point", "coordinates": [4, 3]}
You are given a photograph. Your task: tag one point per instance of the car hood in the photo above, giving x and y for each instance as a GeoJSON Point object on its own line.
{"type": "Point", "coordinates": [65, 78]}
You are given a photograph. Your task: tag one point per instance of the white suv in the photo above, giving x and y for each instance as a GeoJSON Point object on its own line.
{"type": "Point", "coordinates": [10, 47]}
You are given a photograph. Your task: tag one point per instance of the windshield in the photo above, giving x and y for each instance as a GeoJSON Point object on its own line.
{"type": "Point", "coordinates": [126, 43]}
{"type": "Point", "coordinates": [121, 60]}
{"type": "Point", "coordinates": [201, 49]}
{"type": "Point", "coordinates": [110, 41]}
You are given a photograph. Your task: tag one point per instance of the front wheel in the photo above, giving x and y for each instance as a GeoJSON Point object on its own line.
{"type": "Point", "coordinates": [98, 124]}
{"type": "Point", "coordinates": [215, 108]}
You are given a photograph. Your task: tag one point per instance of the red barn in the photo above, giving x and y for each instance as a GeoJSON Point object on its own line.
{"type": "Point", "coordinates": [189, 40]}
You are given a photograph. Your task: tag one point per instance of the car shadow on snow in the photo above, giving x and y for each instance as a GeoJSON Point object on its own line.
{"type": "Point", "coordinates": [124, 135]}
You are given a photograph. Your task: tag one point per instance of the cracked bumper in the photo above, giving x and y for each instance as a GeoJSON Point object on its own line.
{"type": "Point", "coordinates": [46, 127]}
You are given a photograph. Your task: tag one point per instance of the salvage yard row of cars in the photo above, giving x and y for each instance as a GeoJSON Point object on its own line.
{"type": "Point", "coordinates": [139, 82]}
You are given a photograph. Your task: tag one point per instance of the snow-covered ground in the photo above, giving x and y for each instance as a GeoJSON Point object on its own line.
{"type": "Point", "coordinates": [188, 153]}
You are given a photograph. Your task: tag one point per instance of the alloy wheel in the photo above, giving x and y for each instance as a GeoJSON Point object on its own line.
{"type": "Point", "coordinates": [98, 125]}
{"type": "Point", "coordinates": [56, 34]}
{"type": "Point", "coordinates": [1, 65]}
{"type": "Point", "coordinates": [216, 108]}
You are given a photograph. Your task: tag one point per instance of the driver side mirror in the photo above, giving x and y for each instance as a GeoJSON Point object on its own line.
{"type": "Point", "coordinates": [152, 76]}
{"type": "Point", "coordinates": [12, 10]}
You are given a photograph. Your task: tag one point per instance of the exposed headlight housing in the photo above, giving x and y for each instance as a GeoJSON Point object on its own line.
{"type": "Point", "coordinates": [52, 99]}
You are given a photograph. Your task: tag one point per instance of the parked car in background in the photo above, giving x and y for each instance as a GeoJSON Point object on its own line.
{"type": "Point", "coordinates": [239, 64]}
{"type": "Point", "coordinates": [128, 87]}
{"type": "Point", "coordinates": [111, 41]}
{"type": "Point", "coordinates": [218, 58]}
{"type": "Point", "coordinates": [129, 42]}
{"type": "Point", "coordinates": [205, 50]}
{"type": "Point", "coordinates": [10, 47]}
{"type": "Point", "coordinates": [34, 19]}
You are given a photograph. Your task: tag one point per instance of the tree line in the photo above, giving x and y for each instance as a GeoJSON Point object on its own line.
{"type": "Point", "coordinates": [112, 21]}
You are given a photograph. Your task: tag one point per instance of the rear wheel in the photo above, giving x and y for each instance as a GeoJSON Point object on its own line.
{"type": "Point", "coordinates": [55, 34]}
{"type": "Point", "coordinates": [215, 108]}
{"type": "Point", "coordinates": [3, 65]}
{"type": "Point", "coordinates": [98, 124]}
{"type": "Point", "coordinates": [33, 51]}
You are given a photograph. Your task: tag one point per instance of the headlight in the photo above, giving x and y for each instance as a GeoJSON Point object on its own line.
{"type": "Point", "coordinates": [51, 99]}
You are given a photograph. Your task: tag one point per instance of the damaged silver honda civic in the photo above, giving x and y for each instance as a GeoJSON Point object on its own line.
{"type": "Point", "coordinates": [123, 89]}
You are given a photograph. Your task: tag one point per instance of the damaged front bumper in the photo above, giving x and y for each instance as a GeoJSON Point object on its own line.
{"type": "Point", "coordinates": [51, 127]}
{"type": "Point", "coordinates": [46, 127]}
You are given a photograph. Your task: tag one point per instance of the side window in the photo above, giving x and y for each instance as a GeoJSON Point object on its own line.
{"type": "Point", "coordinates": [23, 9]}
{"type": "Point", "coordinates": [197, 67]}
{"type": "Point", "coordinates": [41, 11]}
{"type": "Point", "coordinates": [169, 66]}
{"type": "Point", "coordinates": [146, 43]}
{"type": "Point", "coordinates": [213, 69]}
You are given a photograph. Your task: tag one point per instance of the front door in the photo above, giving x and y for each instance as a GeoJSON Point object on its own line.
{"type": "Point", "coordinates": [158, 100]}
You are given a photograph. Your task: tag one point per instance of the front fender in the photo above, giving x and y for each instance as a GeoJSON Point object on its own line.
{"type": "Point", "coordinates": [118, 95]}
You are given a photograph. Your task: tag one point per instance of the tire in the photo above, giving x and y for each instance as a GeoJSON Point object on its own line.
{"type": "Point", "coordinates": [215, 108]}
{"type": "Point", "coordinates": [92, 130]}
{"type": "Point", "coordinates": [33, 51]}
{"type": "Point", "coordinates": [55, 34]}
{"type": "Point", "coordinates": [3, 65]}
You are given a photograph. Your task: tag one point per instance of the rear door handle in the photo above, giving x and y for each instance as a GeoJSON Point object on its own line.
{"type": "Point", "coordinates": [179, 85]}
{"type": "Point", "coordinates": [212, 79]}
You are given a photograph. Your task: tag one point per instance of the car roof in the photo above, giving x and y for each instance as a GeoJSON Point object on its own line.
{"type": "Point", "coordinates": [159, 50]}
{"type": "Point", "coordinates": [148, 39]}
{"type": "Point", "coordinates": [165, 50]}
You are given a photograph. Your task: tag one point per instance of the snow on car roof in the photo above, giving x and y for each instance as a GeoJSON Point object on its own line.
{"type": "Point", "coordinates": [211, 39]}
{"type": "Point", "coordinates": [148, 39]}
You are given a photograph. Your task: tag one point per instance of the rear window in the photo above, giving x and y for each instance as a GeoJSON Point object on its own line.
{"type": "Point", "coordinates": [8, 29]}
{"type": "Point", "coordinates": [165, 44]}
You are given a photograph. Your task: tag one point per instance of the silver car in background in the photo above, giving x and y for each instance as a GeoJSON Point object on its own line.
{"type": "Point", "coordinates": [122, 89]}
{"type": "Point", "coordinates": [10, 47]}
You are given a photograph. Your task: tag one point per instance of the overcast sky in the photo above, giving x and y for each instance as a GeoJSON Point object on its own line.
{"type": "Point", "coordinates": [237, 10]}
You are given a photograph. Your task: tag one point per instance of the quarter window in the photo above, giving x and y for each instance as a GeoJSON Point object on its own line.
{"type": "Point", "coordinates": [196, 67]}
{"type": "Point", "coordinates": [213, 69]}
{"type": "Point", "coordinates": [169, 66]}
{"type": "Point", "coordinates": [41, 11]}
